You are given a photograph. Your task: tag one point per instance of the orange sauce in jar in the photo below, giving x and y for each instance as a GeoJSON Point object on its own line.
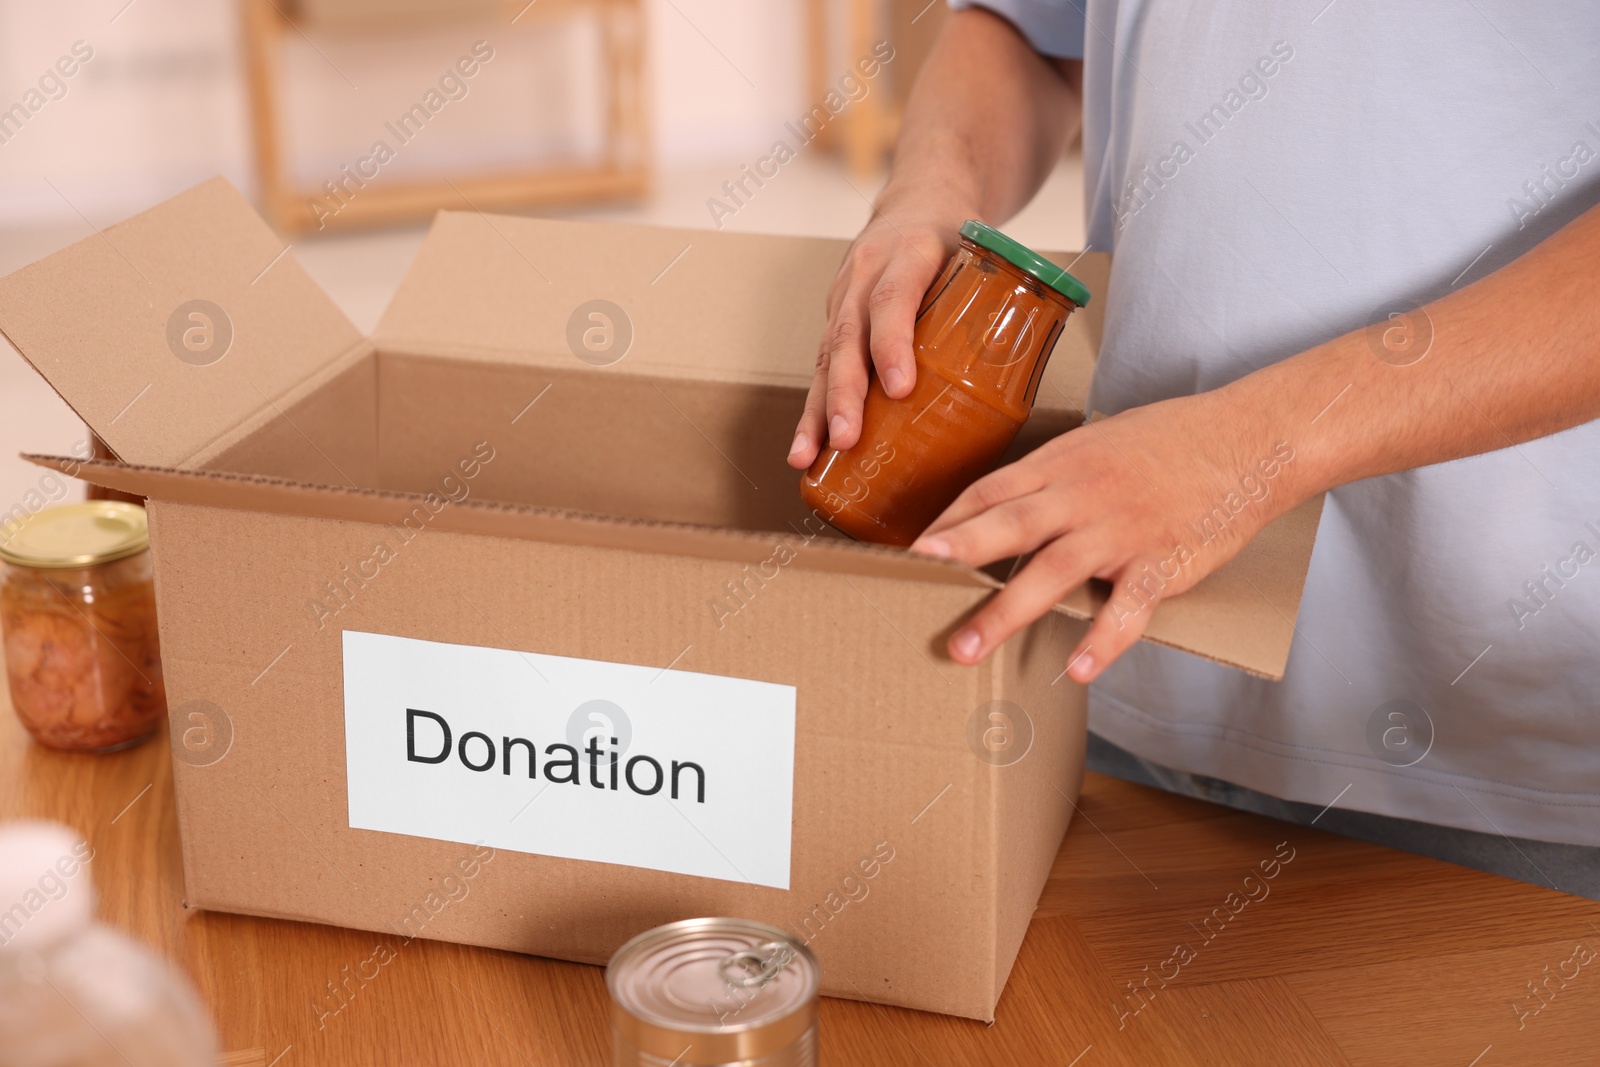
{"type": "Point", "coordinates": [984, 332]}
{"type": "Point", "coordinates": [78, 615]}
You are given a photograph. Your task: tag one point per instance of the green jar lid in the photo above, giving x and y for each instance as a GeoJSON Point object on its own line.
{"type": "Point", "coordinates": [1026, 260]}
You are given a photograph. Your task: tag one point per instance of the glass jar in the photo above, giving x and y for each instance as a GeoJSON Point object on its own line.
{"type": "Point", "coordinates": [983, 334]}
{"type": "Point", "coordinates": [78, 614]}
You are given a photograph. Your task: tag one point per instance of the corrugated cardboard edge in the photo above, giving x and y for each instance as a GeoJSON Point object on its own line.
{"type": "Point", "coordinates": [253, 492]}
{"type": "Point", "coordinates": [1283, 542]}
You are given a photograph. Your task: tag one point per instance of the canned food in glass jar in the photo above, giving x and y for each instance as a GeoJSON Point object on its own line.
{"type": "Point", "coordinates": [982, 338]}
{"type": "Point", "coordinates": [701, 992]}
{"type": "Point", "coordinates": [78, 614]}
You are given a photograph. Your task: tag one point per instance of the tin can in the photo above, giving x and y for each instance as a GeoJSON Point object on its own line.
{"type": "Point", "coordinates": [703, 992]}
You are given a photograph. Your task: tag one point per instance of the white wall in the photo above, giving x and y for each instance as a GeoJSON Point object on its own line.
{"type": "Point", "coordinates": [161, 105]}
{"type": "Point", "coordinates": [157, 107]}
{"type": "Point", "coordinates": [703, 52]}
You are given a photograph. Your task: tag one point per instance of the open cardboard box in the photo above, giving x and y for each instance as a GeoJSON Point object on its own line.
{"type": "Point", "coordinates": [345, 530]}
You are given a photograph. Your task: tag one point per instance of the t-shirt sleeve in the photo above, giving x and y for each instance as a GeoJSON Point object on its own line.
{"type": "Point", "coordinates": [1053, 27]}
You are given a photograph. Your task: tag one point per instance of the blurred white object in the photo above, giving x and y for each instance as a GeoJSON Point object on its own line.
{"type": "Point", "coordinates": [75, 992]}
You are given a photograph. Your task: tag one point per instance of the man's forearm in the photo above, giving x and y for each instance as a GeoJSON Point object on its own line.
{"type": "Point", "coordinates": [1512, 357]}
{"type": "Point", "coordinates": [986, 121]}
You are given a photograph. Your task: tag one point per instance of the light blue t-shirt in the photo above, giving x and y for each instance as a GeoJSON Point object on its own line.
{"type": "Point", "coordinates": [1270, 176]}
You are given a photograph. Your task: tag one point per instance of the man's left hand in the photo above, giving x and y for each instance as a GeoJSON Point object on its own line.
{"type": "Point", "coordinates": [1151, 500]}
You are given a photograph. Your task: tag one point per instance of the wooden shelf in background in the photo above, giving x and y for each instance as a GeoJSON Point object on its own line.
{"type": "Point", "coordinates": [622, 172]}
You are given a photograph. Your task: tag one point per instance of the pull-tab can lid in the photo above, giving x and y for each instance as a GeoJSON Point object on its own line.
{"type": "Point", "coordinates": [713, 991]}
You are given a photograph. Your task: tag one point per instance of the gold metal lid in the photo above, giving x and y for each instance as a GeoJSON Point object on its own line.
{"type": "Point", "coordinates": [76, 535]}
{"type": "Point", "coordinates": [713, 991]}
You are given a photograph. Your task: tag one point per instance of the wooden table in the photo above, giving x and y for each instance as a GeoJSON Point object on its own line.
{"type": "Point", "coordinates": [1358, 954]}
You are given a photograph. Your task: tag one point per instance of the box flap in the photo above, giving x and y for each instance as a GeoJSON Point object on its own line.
{"type": "Point", "coordinates": [165, 331]}
{"type": "Point", "coordinates": [685, 302]}
{"type": "Point", "coordinates": [281, 496]}
{"type": "Point", "coordinates": [690, 303]}
{"type": "Point", "coordinates": [1242, 615]}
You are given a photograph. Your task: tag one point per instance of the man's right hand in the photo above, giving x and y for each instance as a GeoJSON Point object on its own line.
{"type": "Point", "coordinates": [872, 309]}
{"type": "Point", "coordinates": [987, 119]}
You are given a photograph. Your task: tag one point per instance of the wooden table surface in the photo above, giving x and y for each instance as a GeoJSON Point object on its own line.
{"type": "Point", "coordinates": [1356, 955]}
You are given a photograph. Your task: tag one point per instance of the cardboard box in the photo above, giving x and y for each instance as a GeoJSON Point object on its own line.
{"type": "Point", "coordinates": [345, 530]}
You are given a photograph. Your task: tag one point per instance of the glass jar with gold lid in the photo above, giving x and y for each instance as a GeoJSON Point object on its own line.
{"type": "Point", "coordinates": [78, 613]}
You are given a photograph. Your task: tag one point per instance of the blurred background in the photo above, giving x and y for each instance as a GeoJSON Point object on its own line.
{"type": "Point", "coordinates": [637, 110]}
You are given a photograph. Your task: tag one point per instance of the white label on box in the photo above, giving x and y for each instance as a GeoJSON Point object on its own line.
{"type": "Point", "coordinates": [610, 762]}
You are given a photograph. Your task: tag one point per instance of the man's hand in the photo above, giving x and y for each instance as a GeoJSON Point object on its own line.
{"type": "Point", "coordinates": [1151, 500]}
{"type": "Point", "coordinates": [1512, 358]}
{"type": "Point", "coordinates": [872, 308]}
{"type": "Point", "coordinates": [987, 119]}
